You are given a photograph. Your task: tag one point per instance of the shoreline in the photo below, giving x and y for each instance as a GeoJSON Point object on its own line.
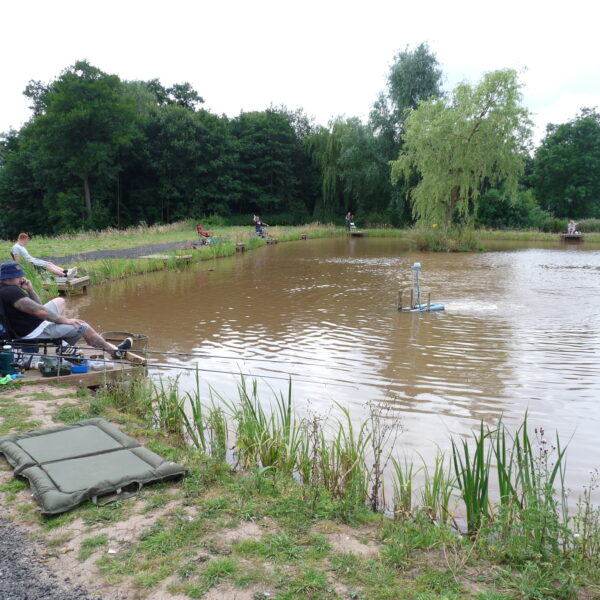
{"type": "Point", "coordinates": [247, 533]}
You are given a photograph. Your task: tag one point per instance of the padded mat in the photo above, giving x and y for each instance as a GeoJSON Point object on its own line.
{"type": "Point", "coordinates": [68, 465]}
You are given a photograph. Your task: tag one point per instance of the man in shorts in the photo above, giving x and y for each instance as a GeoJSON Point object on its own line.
{"type": "Point", "coordinates": [30, 319]}
{"type": "Point", "coordinates": [19, 251]}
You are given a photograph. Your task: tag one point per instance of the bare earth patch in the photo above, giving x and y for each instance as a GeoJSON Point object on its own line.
{"type": "Point", "coordinates": [343, 539]}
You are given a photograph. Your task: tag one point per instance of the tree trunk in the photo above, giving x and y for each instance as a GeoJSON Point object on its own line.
{"type": "Point", "coordinates": [451, 206]}
{"type": "Point", "coordinates": [87, 195]}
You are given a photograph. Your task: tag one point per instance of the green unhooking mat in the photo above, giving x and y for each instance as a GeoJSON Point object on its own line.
{"type": "Point", "coordinates": [70, 464]}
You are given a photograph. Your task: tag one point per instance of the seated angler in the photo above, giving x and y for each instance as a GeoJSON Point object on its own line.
{"type": "Point", "coordinates": [30, 319]}
{"type": "Point", "coordinates": [19, 250]}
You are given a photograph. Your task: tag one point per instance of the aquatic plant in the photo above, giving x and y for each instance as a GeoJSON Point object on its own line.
{"type": "Point", "coordinates": [472, 471]}
{"type": "Point", "coordinates": [404, 473]}
{"type": "Point", "coordinates": [437, 488]}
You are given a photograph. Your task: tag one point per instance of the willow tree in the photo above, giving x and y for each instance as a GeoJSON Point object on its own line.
{"type": "Point", "coordinates": [457, 145]}
{"type": "Point", "coordinates": [325, 148]}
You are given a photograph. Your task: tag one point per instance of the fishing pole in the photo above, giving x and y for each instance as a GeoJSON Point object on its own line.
{"type": "Point", "coordinates": [217, 356]}
{"type": "Point", "coordinates": [196, 368]}
{"type": "Point", "coordinates": [251, 375]}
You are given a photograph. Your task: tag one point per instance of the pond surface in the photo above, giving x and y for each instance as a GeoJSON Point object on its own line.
{"type": "Point", "coordinates": [521, 332]}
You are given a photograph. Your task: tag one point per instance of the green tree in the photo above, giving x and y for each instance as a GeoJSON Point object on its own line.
{"type": "Point", "coordinates": [414, 76]}
{"type": "Point", "coordinates": [82, 121]}
{"type": "Point", "coordinates": [325, 148]}
{"type": "Point", "coordinates": [267, 145]}
{"type": "Point", "coordinates": [21, 199]}
{"type": "Point", "coordinates": [185, 167]}
{"type": "Point", "coordinates": [567, 167]}
{"type": "Point", "coordinates": [457, 146]}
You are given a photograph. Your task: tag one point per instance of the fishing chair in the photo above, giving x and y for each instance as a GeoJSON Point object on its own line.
{"type": "Point", "coordinates": [202, 233]}
{"type": "Point", "coordinates": [28, 346]}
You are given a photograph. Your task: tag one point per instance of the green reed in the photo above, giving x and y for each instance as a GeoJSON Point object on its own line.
{"type": "Point", "coordinates": [166, 405]}
{"type": "Point", "coordinates": [436, 492]}
{"type": "Point", "coordinates": [472, 471]}
{"type": "Point", "coordinates": [40, 278]}
{"type": "Point", "coordinates": [342, 460]}
{"type": "Point", "coordinates": [266, 440]}
{"type": "Point", "coordinates": [529, 518]}
{"type": "Point", "coordinates": [403, 473]}
{"type": "Point", "coordinates": [205, 427]}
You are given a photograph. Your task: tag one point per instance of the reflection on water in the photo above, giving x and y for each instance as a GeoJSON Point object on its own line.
{"type": "Point", "coordinates": [520, 332]}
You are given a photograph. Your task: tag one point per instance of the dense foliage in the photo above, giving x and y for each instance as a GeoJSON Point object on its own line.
{"type": "Point", "coordinates": [98, 152]}
{"type": "Point", "coordinates": [459, 145]}
{"type": "Point", "coordinates": [567, 167]}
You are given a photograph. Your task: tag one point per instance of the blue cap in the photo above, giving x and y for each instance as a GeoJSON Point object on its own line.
{"type": "Point", "coordinates": [10, 270]}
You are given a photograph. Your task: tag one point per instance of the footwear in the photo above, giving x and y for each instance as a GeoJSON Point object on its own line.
{"type": "Point", "coordinates": [71, 273]}
{"type": "Point", "coordinates": [71, 353]}
{"type": "Point", "coordinates": [68, 350]}
{"type": "Point", "coordinates": [121, 351]}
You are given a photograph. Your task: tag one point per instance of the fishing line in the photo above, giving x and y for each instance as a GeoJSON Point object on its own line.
{"type": "Point", "coordinates": [196, 368]}
{"type": "Point", "coordinates": [218, 356]}
{"type": "Point", "coordinates": [252, 375]}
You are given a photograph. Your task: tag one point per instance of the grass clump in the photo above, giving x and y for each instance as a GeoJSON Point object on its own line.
{"type": "Point", "coordinates": [91, 545]}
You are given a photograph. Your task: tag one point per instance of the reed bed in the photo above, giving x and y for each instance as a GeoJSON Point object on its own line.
{"type": "Point", "coordinates": [527, 516]}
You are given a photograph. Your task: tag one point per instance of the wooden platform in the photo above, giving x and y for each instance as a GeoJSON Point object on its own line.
{"type": "Point", "coordinates": [121, 370]}
{"type": "Point", "coordinates": [271, 240]}
{"type": "Point", "coordinates": [357, 234]}
{"type": "Point", "coordinates": [571, 237]}
{"type": "Point", "coordinates": [240, 247]}
{"type": "Point", "coordinates": [78, 285]}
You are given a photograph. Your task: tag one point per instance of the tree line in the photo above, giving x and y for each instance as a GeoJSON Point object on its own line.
{"type": "Point", "coordinates": [98, 151]}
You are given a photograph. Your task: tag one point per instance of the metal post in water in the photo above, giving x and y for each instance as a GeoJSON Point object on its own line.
{"type": "Point", "coordinates": [399, 302]}
{"type": "Point", "coordinates": [417, 286]}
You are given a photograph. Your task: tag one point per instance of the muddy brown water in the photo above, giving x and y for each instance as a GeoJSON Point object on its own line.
{"type": "Point", "coordinates": [521, 332]}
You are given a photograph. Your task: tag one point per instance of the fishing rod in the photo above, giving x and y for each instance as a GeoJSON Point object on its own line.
{"type": "Point", "coordinates": [217, 356]}
{"type": "Point", "coordinates": [196, 368]}
{"type": "Point", "coordinates": [251, 375]}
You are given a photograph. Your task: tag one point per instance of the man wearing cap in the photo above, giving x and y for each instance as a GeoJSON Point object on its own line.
{"type": "Point", "coordinates": [19, 250]}
{"type": "Point", "coordinates": [30, 319]}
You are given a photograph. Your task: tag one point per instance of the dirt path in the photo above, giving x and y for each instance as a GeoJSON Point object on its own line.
{"type": "Point", "coordinates": [123, 253]}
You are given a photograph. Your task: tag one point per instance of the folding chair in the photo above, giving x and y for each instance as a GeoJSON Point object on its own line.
{"type": "Point", "coordinates": [202, 233]}
{"type": "Point", "coordinates": [29, 346]}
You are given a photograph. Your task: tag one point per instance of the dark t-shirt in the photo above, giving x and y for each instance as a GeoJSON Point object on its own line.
{"type": "Point", "coordinates": [20, 322]}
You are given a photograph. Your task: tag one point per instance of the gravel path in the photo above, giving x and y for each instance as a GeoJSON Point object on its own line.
{"type": "Point", "coordinates": [24, 577]}
{"type": "Point", "coordinates": [124, 253]}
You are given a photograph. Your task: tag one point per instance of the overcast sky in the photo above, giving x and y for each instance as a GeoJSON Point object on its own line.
{"type": "Point", "coordinates": [329, 57]}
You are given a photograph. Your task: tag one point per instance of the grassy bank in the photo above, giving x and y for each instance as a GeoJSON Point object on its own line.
{"type": "Point", "coordinates": [296, 509]}
{"type": "Point", "coordinates": [425, 239]}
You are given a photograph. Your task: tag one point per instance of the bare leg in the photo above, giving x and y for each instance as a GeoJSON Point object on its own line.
{"type": "Point", "coordinates": [61, 305]}
{"type": "Point", "coordinates": [95, 340]}
{"type": "Point", "coordinates": [55, 269]}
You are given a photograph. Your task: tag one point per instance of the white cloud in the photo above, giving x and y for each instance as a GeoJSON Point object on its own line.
{"type": "Point", "coordinates": [329, 57]}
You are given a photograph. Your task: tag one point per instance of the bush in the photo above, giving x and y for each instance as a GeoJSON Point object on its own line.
{"type": "Point", "coordinates": [498, 212]}
{"type": "Point", "coordinates": [589, 225]}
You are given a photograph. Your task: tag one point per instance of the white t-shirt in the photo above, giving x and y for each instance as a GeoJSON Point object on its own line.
{"type": "Point", "coordinates": [19, 249]}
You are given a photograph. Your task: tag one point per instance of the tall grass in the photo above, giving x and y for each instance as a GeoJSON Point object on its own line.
{"type": "Point", "coordinates": [403, 476]}
{"type": "Point", "coordinates": [342, 460]}
{"type": "Point", "coordinates": [472, 470]}
{"type": "Point", "coordinates": [445, 239]}
{"type": "Point", "coordinates": [266, 439]}
{"type": "Point", "coordinates": [437, 488]}
{"type": "Point", "coordinates": [528, 518]}
{"type": "Point", "coordinates": [206, 426]}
